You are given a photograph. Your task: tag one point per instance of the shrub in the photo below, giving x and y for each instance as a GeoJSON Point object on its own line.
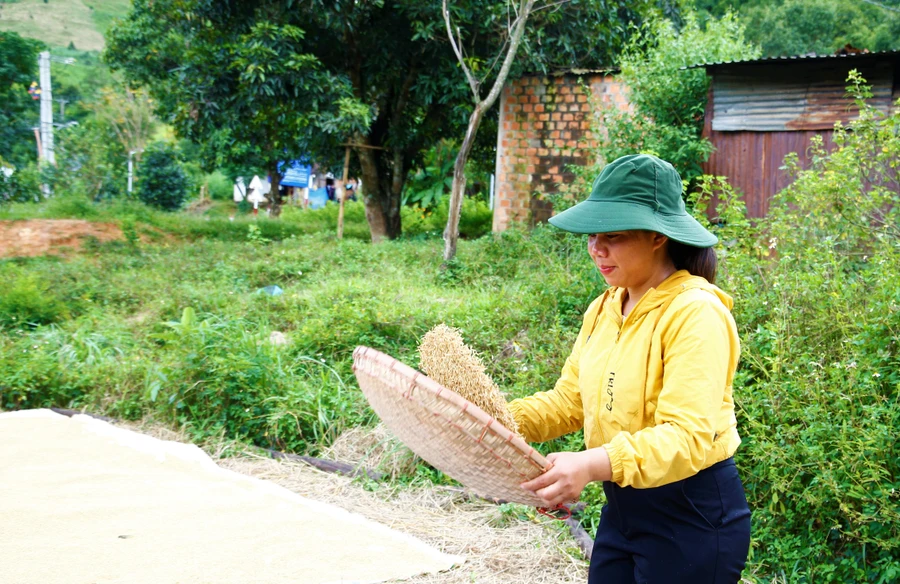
{"type": "Point", "coordinates": [226, 374]}
{"type": "Point", "coordinates": [220, 187]}
{"type": "Point", "coordinates": [817, 391]}
{"type": "Point", "coordinates": [22, 186]}
{"type": "Point", "coordinates": [428, 184]}
{"type": "Point", "coordinates": [476, 218]}
{"type": "Point", "coordinates": [324, 220]}
{"type": "Point", "coordinates": [164, 183]}
{"type": "Point", "coordinates": [26, 300]}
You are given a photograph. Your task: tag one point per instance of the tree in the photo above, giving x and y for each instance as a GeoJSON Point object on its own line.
{"type": "Point", "coordinates": [234, 78]}
{"type": "Point", "coordinates": [797, 27]}
{"type": "Point", "coordinates": [564, 34]}
{"type": "Point", "coordinates": [391, 59]}
{"type": "Point", "coordinates": [515, 32]}
{"type": "Point", "coordinates": [18, 68]}
{"type": "Point", "coordinates": [164, 183]}
{"type": "Point", "coordinates": [129, 114]}
{"type": "Point", "coordinates": [669, 101]}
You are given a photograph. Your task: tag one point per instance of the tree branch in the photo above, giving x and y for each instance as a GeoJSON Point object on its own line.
{"type": "Point", "coordinates": [473, 83]}
{"type": "Point", "coordinates": [403, 94]}
{"type": "Point", "coordinates": [519, 30]}
{"type": "Point", "coordinates": [552, 5]}
{"type": "Point", "coordinates": [496, 59]}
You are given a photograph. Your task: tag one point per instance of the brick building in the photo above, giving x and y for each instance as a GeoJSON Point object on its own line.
{"type": "Point", "coordinates": [545, 126]}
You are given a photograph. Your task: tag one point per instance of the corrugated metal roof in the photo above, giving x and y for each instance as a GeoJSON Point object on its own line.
{"type": "Point", "coordinates": [795, 58]}
{"type": "Point", "coordinates": [770, 99]}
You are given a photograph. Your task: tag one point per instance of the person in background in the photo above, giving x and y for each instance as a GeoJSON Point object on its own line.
{"type": "Point", "coordinates": [350, 190]}
{"type": "Point", "coordinates": [649, 380]}
{"type": "Point", "coordinates": [329, 187]}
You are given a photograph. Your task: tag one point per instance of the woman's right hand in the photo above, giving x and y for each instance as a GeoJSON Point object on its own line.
{"type": "Point", "coordinates": [568, 474]}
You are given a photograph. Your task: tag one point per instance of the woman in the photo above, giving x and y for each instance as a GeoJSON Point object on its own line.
{"type": "Point", "coordinates": [649, 379]}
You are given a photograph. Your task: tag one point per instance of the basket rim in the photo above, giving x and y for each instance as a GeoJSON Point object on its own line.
{"type": "Point", "coordinates": [426, 383]}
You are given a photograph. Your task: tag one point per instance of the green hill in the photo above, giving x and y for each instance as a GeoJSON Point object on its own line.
{"type": "Point", "coordinates": [60, 23]}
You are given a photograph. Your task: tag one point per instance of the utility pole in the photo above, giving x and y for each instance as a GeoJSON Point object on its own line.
{"type": "Point", "coordinates": [131, 169]}
{"type": "Point", "coordinates": [46, 109]}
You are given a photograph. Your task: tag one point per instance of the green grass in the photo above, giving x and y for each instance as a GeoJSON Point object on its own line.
{"type": "Point", "coordinates": [60, 23]}
{"type": "Point", "coordinates": [104, 12]}
{"type": "Point", "coordinates": [109, 329]}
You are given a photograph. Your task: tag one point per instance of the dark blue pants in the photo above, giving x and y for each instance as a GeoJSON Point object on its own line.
{"type": "Point", "coordinates": [694, 531]}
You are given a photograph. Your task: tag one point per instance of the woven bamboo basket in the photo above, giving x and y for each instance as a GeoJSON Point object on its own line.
{"type": "Point", "coordinates": [451, 433]}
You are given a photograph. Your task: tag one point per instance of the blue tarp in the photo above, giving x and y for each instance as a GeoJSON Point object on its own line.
{"type": "Point", "coordinates": [296, 174]}
{"type": "Point", "coordinates": [317, 198]}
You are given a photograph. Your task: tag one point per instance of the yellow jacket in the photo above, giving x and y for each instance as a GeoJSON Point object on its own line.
{"type": "Point", "coordinates": [655, 390]}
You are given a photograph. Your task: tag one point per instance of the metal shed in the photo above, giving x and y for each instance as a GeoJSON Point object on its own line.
{"type": "Point", "coordinates": [760, 110]}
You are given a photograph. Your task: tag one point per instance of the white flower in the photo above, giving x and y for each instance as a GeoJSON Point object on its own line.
{"type": "Point", "coordinates": [876, 374]}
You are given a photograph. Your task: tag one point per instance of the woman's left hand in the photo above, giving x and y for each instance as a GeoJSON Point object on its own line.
{"type": "Point", "coordinates": [568, 475]}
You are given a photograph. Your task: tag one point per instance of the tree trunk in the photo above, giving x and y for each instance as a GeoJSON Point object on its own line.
{"type": "Point", "coordinates": [451, 232]}
{"type": "Point", "coordinates": [381, 192]}
{"type": "Point", "coordinates": [457, 191]}
{"type": "Point", "coordinates": [343, 193]}
{"type": "Point", "coordinates": [275, 194]}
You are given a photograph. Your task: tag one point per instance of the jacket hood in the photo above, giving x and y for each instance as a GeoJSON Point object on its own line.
{"type": "Point", "coordinates": [672, 286]}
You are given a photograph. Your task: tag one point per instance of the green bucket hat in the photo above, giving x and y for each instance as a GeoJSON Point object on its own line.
{"type": "Point", "coordinates": [638, 191]}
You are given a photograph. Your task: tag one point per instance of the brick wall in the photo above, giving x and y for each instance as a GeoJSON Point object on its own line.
{"type": "Point", "coordinates": [545, 126]}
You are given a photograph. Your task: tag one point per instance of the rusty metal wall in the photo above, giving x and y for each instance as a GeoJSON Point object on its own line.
{"type": "Point", "coordinates": [752, 161]}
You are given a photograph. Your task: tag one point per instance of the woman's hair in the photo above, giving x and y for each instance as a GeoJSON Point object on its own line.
{"type": "Point", "coordinates": [699, 261]}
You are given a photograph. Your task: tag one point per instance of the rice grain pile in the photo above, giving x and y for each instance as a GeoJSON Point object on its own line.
{"type": "Point", "coordinates": [445, 358]}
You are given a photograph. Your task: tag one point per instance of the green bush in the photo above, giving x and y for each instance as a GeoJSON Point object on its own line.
{"type": "Point", "coordinates": [228, 375]}
{"type": "Point", "coordinates": [22, 186]}
{"type": "Point", "coordinates": [476, 218]}
{"type": "Point", "coordinates": [325, 220]}
{"type": "Point", "coordinates": [164, 183]}
{"type": "Point", "coordinates": [818, 391]}
{"type": "Point", "coordinates": [220, 187]}
{"type": "Point", "coordinates": [26, 300]}
{"type": "Point", "coordinates": [429, 183]}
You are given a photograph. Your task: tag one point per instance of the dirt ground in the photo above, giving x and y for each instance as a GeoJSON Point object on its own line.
{"type": "Point", "coordinates": [35, 237]}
